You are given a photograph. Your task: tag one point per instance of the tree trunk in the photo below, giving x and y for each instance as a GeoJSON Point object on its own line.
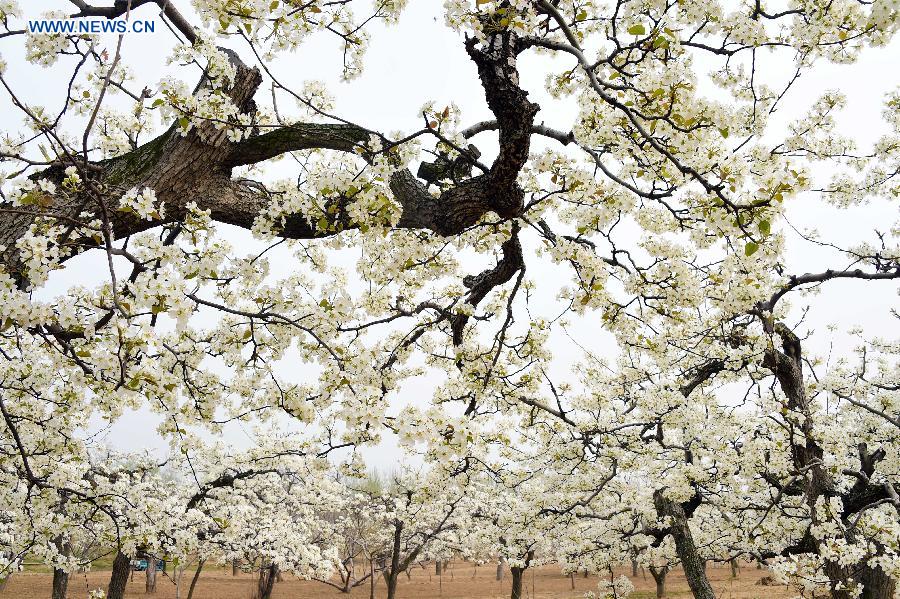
{"type": "Point", "coordinates": [390, 576]}
{"type": "Point", "coordinates": [500, 569]}
{"type": "Point", "coordinates": [150, 585]}
{"type": "Point", "coordinates": [235, 564]}
{"type": "Point", "coordinates": [517, 575]}
{"type": "Point", "coordinates": [694, 566]}
{"type": "Point", "coordinates": [266, 581]}
{"type": "Point", "coordinates": [347, 575]}
{"type": "Point", "coordinates": [787, 366]}
{"type": "Point", "coordinates": [634, 568]}
{"type": "Point", "coordinates": [572, 580]}
{"type": "Point", "coordinates": [734, 567]}
{"type": "Point", "coordinates": [876, 584]}
{"type": "Point", "coordinates": [118, 580]}
{"type": "Point", "coordinates": [194, 580]}
{"type": "Point", "coordinates": [659, 575]}
{"type": "Point", "coordinates": [60, 583]}
{"type": "Point", "coordinates": [438, 568]}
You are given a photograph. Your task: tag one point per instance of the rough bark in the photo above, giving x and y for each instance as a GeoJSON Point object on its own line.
{"type": "Point", "coordinates": [118, 579]}
{"type": "Point", "coordinates": [679, 528]}
{"type": "Point", "coordinates": [877, 584]}
{"type": "Point", "coordinates": [679, 514]}
{"type": "Point", "coordinates": [437, 567]}
{"type": "Point", "coordinates": [500, 569]}
{"type": "Point", "coordinates": [734, 567]}
{"type": "Point", "coordinates": [786, 363]}
{"type": "Point", "coordinates": [150, 583]}
{"type": "Point", "coordinates": [198, 167]}
{"type": "Point", "coordinates": [518, 574]}
{"type": "Point", "coordinates": [60, 584]}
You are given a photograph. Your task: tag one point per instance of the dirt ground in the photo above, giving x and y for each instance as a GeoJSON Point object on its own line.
{"type": "Point", "coordinates": [461, 581]}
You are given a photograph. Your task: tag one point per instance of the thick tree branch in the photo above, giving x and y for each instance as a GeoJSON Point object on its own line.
{"type": "Point", "coordinates": [121, 7]}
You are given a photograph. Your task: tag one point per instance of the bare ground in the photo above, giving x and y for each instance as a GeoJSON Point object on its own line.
{"type": "Point", "coordinates": [461, 581]}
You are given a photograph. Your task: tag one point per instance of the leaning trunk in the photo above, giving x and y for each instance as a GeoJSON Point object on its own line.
{"type": "Point", "coordinates": [348, 580]}
{"type": "Point", "coordinates": [60, 583]}
{"type": "Point", "coordinates": [694, 566]}
{"type": "Point", "coordinates": [194, 580]}
{"type": "Point", "coordinates": [118, 580]}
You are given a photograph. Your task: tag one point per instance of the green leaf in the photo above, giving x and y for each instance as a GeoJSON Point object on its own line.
{"type": "Point", "coordinates": [724, 132]}
{"type": "Point", "coordinates": [637, 29]}
{"type": "Point", "coordinates": [157, 102]}
{"type": "Point", "coordinates": [582, 16]}
{"type": "Point", "coordinates": [184, 122]}
{"type": "Point", "coordinates": [750, 248]}
{"type": "Point", "coordinates": [765, 227]}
